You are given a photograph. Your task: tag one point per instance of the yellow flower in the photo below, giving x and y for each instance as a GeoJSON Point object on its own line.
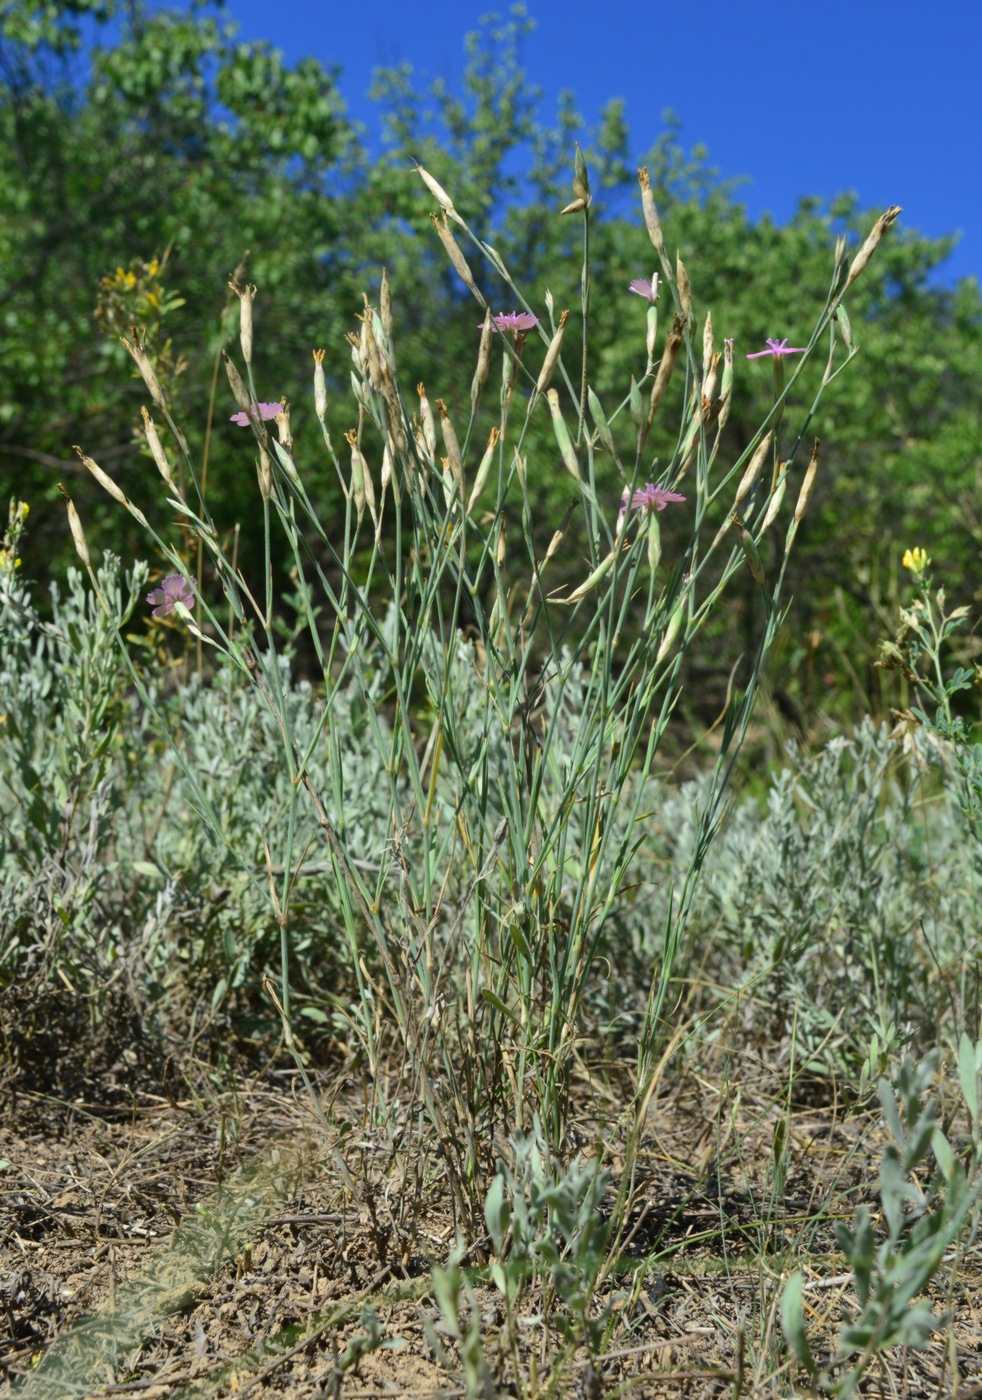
{"type": "Point", "coordinates": [915, 560]}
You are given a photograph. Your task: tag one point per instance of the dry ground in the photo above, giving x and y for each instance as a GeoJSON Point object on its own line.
{"type": "Point", "coordinates": [205, 1247]}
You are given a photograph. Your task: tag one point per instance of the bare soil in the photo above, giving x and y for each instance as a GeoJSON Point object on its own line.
{"type": "Point", "coordinates": [208, 1245]}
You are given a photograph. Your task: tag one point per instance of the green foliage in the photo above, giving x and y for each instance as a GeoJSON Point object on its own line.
{"type": "Point", "coordinates": [922, 1221]}
{"type": "Point", "coordinates": [179, 136]}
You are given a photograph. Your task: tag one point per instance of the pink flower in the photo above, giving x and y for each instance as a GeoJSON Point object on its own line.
{"type": "Point", "coordinates": [644, 288]}
{"type": "Point", "coordinates": [266, 412]}
{"type": "Point", "coordinates": [778, 348]}
{"type": "Point", "coordinates": [653, 498]}
{"type": "Point", "coordinates": [174, 589]}
{"type": "Point", "coordinates": [513, 321]}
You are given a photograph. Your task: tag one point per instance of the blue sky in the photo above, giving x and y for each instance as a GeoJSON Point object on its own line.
{"type": "Point", "coordinates": [804, 99]}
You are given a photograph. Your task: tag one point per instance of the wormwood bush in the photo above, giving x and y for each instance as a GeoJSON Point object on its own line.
{"type": "Point", "coordinates": [512, 725]}
{"type": "Point", "coordinates": [844, 908]}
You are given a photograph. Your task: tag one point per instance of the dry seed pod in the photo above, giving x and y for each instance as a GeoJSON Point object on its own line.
{"type": "Point", "coordinates": [428, 421]}
{"type": "Point", "coordinates": [75, 525]}
{"type": "Point", "coordinates": [264, 472]}
{"type": "Point", "coordinates": [434, 187]}
{"type": "Point", "coordinates": [247, 295]}
{"type": "Point", "coordinates": [483, 470]}
{"type": "Point", "coordinates": [707, 348]}
{"type": "Point", "coordinates": [137, 349]}
{"type": "Point", "coordinates": [385, 307]}
{"type": "Point", "coordinates": [592, 580]}
{"type": "Point", "coordinates": [456, 256]}
{"type": "Point", "coordinates": [685, 291]}
{"type": "Point", "coordinates": [650, 212]}
{"type": "Point", "coordinates": [107, 484]}
{"type": "Point", "coordinates": [483, 360]}
{"type": "Point", "coordinates": [157, 451]}
{"type": "Point", "coordinates": [753, 469]}
{"type": "Point", "coordinates": [239, 391]}
{"type": "Point", "coordinates": [872, 243]}
{"type": "Point", "coordinates": [804, 495]}
{"type": "Point", "coordinates": [552, 355]}
{"type": "Point", "coordinates": [453, 447]}
{"type": "Point", "coordinates": [669, 356]}
{"type": "Point", "coordinates": [283, 428]}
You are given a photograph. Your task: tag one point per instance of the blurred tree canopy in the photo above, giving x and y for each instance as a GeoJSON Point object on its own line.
{"type": "Point", "coordinates": [146, 155]}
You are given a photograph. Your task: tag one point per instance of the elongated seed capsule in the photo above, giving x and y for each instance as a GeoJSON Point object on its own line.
{"type": "Point", "coordinates": [804, 495]}
{"type": "Point", "coordinates": [592, 580]}
{"type": "Point", "coordinates": [247, 295]}
{"type": "Point", "coordinates": [360, 390]}
{"type": "Point", "coordinates": [456, 256]}
{"type": "Point", "coordinates": [75, 525]}
{"type": "Point", "coordinates": [753, 468]}
{"type": "Point", "coordinates": [434, 187]}
{"type": "Point", "coordinates": [651, 221]}
{"type": "Point", "coordinates": [357, 473]}
{"type": "Point", "coordinates": [320, 386]}
{"type": "Point", "coordinates": [453, 447]}
{"type": "Point", "coordinates": [651, 331]}
{"type": "Point", "coordinates": [239, 391]}
{"type": "Point", "coordinates": [385, 307]}
{"type": "Point", "coordinates": [872, 243]}
{"type": "Point", "coordinates": [552, 355]}
{"type": "Point", "coordinates": [448, 482]}
{"type": "Point", "coordinates": [483, 470]}
{"type": "Point", "coordinates": [841, 317]}
{"type": "Point", "coordinates": [287, 465]}
{"type": "Point", "coordinates": [707, 349]}
{"type": "Point", "coordinates": [370, 350]}
{"type": "Point", "coordinates": [600, 420]}
{"type": "Point", "coordinates": [283, 428]}
{"type": "Point", "coordinates": [726, 387]}
{"type": "Point", "coordinates": [138, 351]}
{"type": "Point", "coordinates": [709, 383]}
{"type": "Point", "coordinates": [685, 291]}
{"type": "Point", "coordinates": [750, 550]}
{"type": "Point", "coordinates": [654, 540]}
{"type": "Point", "coordinates": [157, 450]}
{"type": "Point", "coordinates": [777, 497]}
{"type": "Point", "coordinates": [483, 360]}
{"type": "Point", "coordinates": [562, 436]}
{"type": "Point", "coordinates": [560, 534]}
{"type": "Point", "coordinates": [107, 484]}
{"type": "Point", "coordinates": [672, 630]}
{"type": "Point", "coordinates": [428, 421]}
{"type": "Point", "coordinates": [669, 356]}
{"type": "Point", "coordinates": [264, 473]}
{"type": "Point", "coordinates": [635, 404]}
